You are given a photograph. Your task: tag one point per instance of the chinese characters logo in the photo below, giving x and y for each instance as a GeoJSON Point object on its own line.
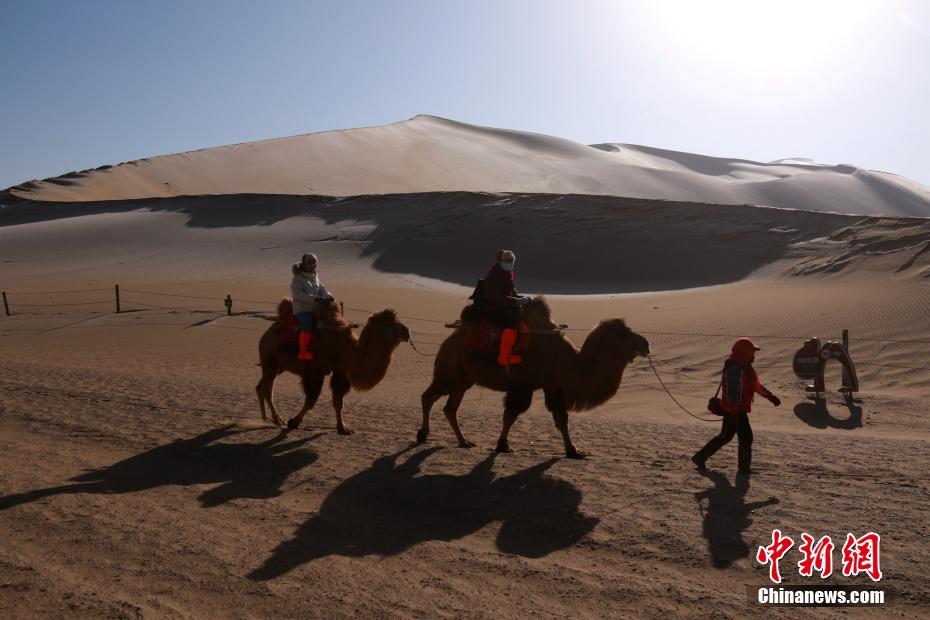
{"type": "Point", "coordinates": [859, 555]}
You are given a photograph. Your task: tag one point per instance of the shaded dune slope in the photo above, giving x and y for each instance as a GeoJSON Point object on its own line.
{"type": "Point", "coordinates": [567, 244]}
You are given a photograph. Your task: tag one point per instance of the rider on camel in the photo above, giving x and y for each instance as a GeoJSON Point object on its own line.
{"type": "Point", "coordinates": [502, 304]}
{"type": "Point", "coordinates": [306, 291]}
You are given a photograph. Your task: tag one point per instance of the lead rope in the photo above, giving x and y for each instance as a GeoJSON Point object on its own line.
{"type": "Point", "coordinates": [675, 400]}
{"type": "Point", "coordinates": [414, 347]}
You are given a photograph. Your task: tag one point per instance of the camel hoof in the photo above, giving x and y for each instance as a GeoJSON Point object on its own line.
{"type": "Point", "coordinates": [466, 444]}
{"type": "Point", "coordinates": [292, 424]}
{"type": "Point", "coordinates": [421, 436]}
{"type": "Point", "coordinates": [506, 449]}
{"type": "Point", "coordinates": [575, 454]}
{"type": "Point", "coordinates": [345, 430]}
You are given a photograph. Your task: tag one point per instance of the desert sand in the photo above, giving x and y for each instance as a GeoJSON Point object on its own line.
{"type": "Point", "coordinates": [431, 154]}
{"type": "Point", "coordinates": [139, 481]}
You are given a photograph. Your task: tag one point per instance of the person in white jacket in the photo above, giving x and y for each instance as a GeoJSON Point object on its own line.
{"type": "Point", "coordinates": [306, 291]}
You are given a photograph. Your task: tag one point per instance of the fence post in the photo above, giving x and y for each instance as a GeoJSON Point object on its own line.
{"type": "Point", "coordinates": [228, 303]}
{"type": "Point", "coordinates": [116, 288]}
{"type": "Point", "coordinates": [6, 306]}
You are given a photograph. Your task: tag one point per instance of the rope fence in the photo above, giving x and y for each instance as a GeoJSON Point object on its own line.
{"type": "Point", "coordinates": [35, 303]}
{"type": "Point", "coordinates": [33, 311]}
{"type": "Point", "coordinates": [84, 290]}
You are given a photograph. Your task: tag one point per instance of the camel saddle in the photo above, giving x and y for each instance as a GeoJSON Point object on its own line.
{"type": "Point", "coordinates": [287, 336]}
{"type": "Point", "coordinates": [482, 344]}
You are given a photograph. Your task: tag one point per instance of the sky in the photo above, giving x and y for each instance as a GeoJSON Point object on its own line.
{"type": "Point", "coordinates": [100, 82]}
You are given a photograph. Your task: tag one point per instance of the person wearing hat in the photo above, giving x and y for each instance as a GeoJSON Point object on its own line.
{"type": "Point", "coordinates": [502, 304]}
{"type": "Point", "coordinates": [306, 291]}
{"type": "Point", "coordinates": [739, 385]}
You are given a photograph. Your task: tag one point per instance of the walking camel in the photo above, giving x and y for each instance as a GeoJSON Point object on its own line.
{"type": "Point", "coordinates": [358, 363]}
{"type": "Point", "coordinates": [572, 379]}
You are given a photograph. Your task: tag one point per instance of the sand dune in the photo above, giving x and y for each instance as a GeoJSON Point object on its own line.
{"type": "Point", "coordinates": [430, 154]}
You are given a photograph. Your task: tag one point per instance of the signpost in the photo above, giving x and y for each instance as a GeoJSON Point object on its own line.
{"type": "Point", "coordinates": [811, 360]}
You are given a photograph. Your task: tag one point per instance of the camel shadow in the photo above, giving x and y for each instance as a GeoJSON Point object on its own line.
{"type": "Point", "coordinates": [388, 508]}
{"type": "Point", "coordinates": [241, 470]}
{"type": "Point", "coordinates": [817, 415]}
{"type": "Point", "coordinates": [727, 516]}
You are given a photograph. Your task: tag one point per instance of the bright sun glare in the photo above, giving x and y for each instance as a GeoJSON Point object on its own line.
{"type": "Point", "coordinates": [777, 42]}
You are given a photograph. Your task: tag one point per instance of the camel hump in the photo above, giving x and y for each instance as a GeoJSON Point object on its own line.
{"type": "Point", "coordinates": [285, 310]}
{"type": "Point", "coordinates": [471, 314]}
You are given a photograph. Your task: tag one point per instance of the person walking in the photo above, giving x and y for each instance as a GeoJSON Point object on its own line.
{"type": "Point", "coordinates": [739, 385]}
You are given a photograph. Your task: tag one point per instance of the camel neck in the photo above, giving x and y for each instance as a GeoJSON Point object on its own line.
{"type": "Point", "coordinates": [596, 376]}
{"type": "Point", "coordinates": [369, 360]}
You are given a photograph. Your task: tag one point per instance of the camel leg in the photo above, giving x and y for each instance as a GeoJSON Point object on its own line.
{"type": "Point", "coordinates": [265, 391]}
{"type": "Point", "coordinates": [451, 410]}
{"type": "Point", "coordinates": [555, 402]}
{"type": "Point", "coordinates": [313, 385]}
{"type": "Point", "coordinates": [516, 401]}
{"type": "Point", "coordinates": [427, 400]}
{"type": "Point", "coordinates": [339, 385]}
{"type": "Point", "coordinates": [269, 397]}
{"type": "Point", "coordinates": [260, 390]}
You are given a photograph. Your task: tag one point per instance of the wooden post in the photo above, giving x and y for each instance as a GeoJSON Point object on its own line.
{"type": "Point", "coordinates": [228, 303]}
{"type": "Point", "coordinates": [116, 288]}
{"type": "Point", "coordinates": [846, 347]}
{"type": "Point", "coordinates": [6, 306]}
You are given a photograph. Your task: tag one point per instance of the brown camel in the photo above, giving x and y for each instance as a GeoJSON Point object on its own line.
{"type": "Point", "coordinates": [354, 362]}
{"type": "Point", "coordinates": [571, 379]}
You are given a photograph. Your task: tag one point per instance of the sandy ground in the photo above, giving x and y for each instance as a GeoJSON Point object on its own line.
{"type": "Point", "coordinates": [138, 480]}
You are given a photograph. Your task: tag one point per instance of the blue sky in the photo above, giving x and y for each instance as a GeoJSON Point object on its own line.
{"type": "Point", "coordinates": [91, 83]}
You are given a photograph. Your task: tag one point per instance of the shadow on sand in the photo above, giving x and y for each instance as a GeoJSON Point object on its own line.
{"type": "Point", "coordinates": [242, 470]}
{"type": "Point", "coordinates": [614, 237]}
{"type": "Point", "coordinates": [817, 415]}
{"type": "Point", "coordinates": [727, 516]}
{"type": "Point", "coordinates": [388, 508]}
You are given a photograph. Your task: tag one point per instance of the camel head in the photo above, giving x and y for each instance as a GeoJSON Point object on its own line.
{"type": "Point", "coordinates": [386, 325]}
{"type": "Point", "coordinates": [614, 334]}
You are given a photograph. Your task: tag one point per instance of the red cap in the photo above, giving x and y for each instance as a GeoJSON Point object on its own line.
{"type": "Point", "coordinates": [744, 348]}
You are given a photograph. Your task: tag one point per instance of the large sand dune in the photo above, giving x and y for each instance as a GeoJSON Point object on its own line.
{"type": "Point", "coordinates": [429, 154]}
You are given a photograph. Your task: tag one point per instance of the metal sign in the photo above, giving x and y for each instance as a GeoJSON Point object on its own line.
{"type": "Point", "coordinates": [811, 360]}
{"type": "Point", "coordinates": [807, 361]}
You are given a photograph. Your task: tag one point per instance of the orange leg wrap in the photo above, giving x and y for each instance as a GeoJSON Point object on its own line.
{"type": "Point", "coordinates": [508, 339]}
{"type": "Point", "coordinates": [305, 339]}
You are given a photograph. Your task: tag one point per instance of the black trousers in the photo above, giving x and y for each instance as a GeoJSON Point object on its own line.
{"type": "Point", "coordinates": [732, 425]}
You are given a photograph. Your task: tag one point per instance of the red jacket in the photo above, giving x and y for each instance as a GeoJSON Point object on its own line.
{"type": "Point", "coordinates": [740, 385]}
{"type": "Point", "coordinates": [498, 286]}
